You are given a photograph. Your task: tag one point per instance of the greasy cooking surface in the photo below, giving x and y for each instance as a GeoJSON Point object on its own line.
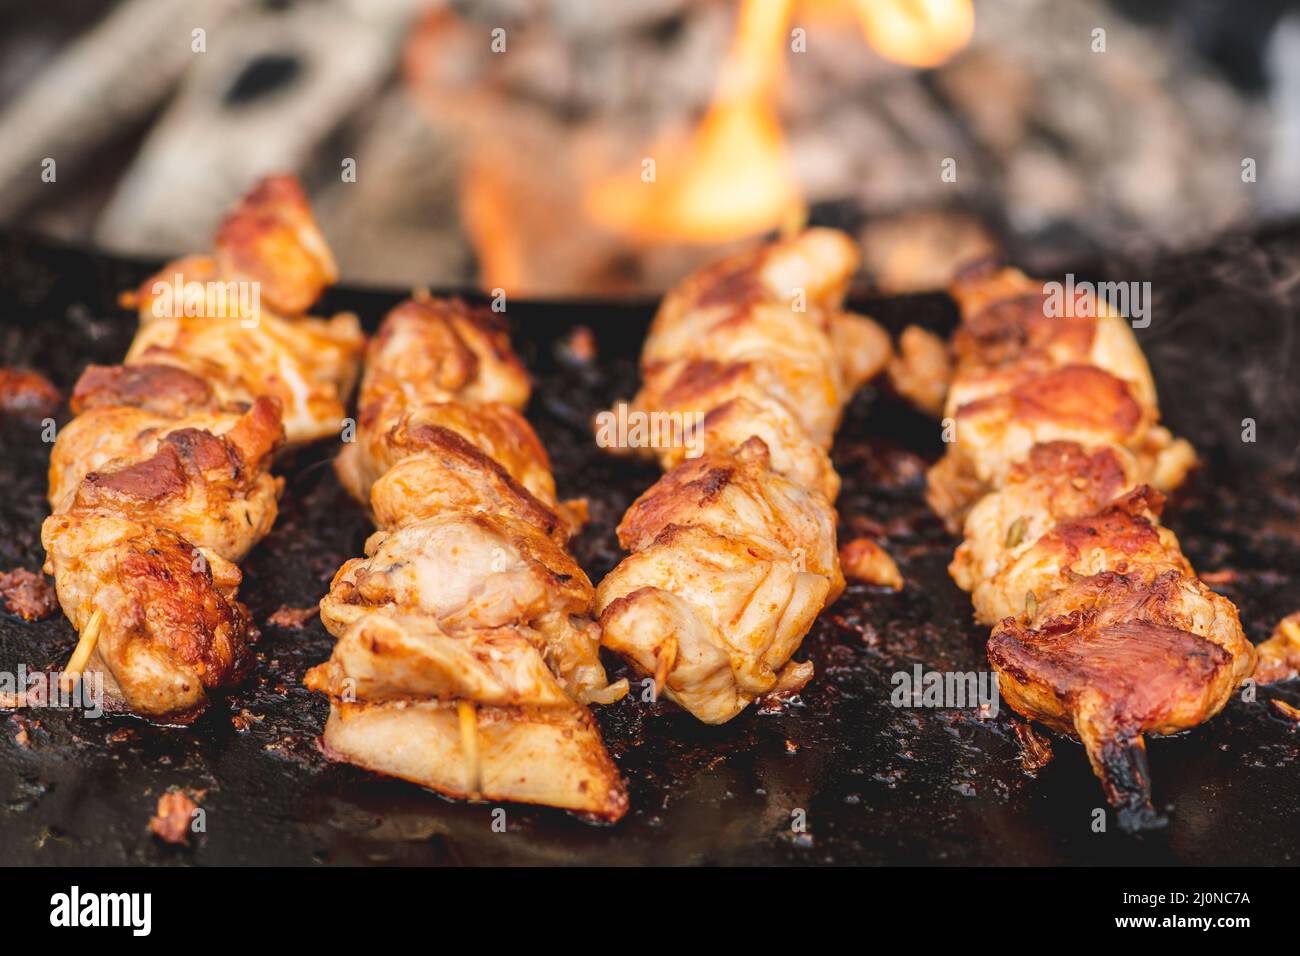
{"type": "Point", "coordinates": [877, 784]}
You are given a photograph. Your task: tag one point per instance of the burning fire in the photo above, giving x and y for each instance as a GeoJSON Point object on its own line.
{"type": "Point", "coordinates": [732, 176]}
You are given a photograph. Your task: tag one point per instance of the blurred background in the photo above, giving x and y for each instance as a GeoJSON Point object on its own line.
{"type": "Point", "coordinates": [600, 148]}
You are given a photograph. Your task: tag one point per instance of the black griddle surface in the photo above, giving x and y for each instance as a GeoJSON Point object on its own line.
{"type": "Point", "coordinates": [875, 784]}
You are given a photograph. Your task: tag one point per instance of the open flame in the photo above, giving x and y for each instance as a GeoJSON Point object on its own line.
{"type": "Point", "coordinates": [920, 33]}
{"type": "Point", "coordinates": [732, 176]}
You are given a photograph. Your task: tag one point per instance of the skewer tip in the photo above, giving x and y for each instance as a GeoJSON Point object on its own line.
{"type": "Point", "coordinates": [85, 647]}
{"type": "Point", "coordinates": [468, 715]}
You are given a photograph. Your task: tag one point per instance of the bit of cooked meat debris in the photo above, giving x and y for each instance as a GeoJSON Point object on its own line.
{"type": "Point", "coordinates": [1226, 576]}
{"type": "Point", "coordinates": [1035, 748]}
{"type": "Point", "coordinates": [292, 618]}
{"type": "Point", "coordinates": [29, 595]}
{"type": "Point", "coordinates": [1286, 710]}
{"type": "Point", "coordinates": [921, 370]}
{"type": "Point", "coordinates": [581, 345]}
{"type": "Point", "coordinates": [245, 719]}
{"type": "Point", "coordinates": [1279, 656]}
{"type": "Point", "coordinates": [865, 561]}
{"type": "Point", "coordinates": [27, 394]}
{"type": "Point", "coordinates": [171, 821]}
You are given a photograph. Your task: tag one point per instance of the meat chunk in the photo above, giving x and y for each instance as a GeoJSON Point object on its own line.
{"type": "Point", "coordinates": [172, 628]}
{"type": "Point", "coordinates": [713, 618]}
{"type": "Point", "coordinates": [864, 560]}
{"type": "Point", "coordinates": [1279, 656]}
{"type": "Point", "coordinates": [476, 571]}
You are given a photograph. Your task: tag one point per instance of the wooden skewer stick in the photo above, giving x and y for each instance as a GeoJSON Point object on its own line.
{"type": "Point", "coordinates": [468, 714]}
{"type": "Point", "coordinates": [85, 647]}
{"type": "Point", "coordinates": [665, 658]}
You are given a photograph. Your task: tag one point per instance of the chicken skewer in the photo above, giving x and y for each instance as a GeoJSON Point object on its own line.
{"type": "Point", "coordinates": [466, 649]}
{"type": "Point", "coordinates": [162, 482]}
{"type": "Point", "coordinates": [733, 551]}
{"type": "Point", "coordinates": [1100, 627]}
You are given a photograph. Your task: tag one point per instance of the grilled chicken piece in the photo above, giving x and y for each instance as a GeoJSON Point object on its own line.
{"type": "Point", "coordinates": [1101, 628]}
{"type": "Point", "coordinates": [214, 490]}
{"type": "Point", "coordinates": [272, 239]}
{"type": "Point", "coordinates": [477, 570]}
{"type": "Point", "coordinates": [1117, 656]}
{"type": "Point", "coordinates": [390, 657]}
{"type": "Point", "coordinates": [466, 649]}
{"type": "Point", "coordinates": [1023, 376]}
{"type": "Point", "coordinates": [758, 343]}
{"type": "Point", "coordinates": [440, 350]}
{"type": "Point", "coordinates": [551, 756]}
{"type": "Point", "coordinates": [733, 550]}
{"type": "Point", "coordinates": [309, 364]}
{"type": "Point", "coordinates": [724, 492]}
{"type": "Point", "coordinates": [451, 456]}
{"type": "Point", "coordinates": [162, 479]}
{"type": "Point", "coordinates": [439, 427]}
{"type": "Point", "coordinates": [28, 395]}
{"type": "Point", "coordinates": [713, 618]}
{"type": "Point", "coordinates": [738, 419]}
{"type": "Point", "coordinates": [921, 370]}
{"type": "Point", "coordinates": [172, 628]}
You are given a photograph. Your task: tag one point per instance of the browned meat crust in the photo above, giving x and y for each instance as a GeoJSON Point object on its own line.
{"type": "Point", "coordinates": [272, 239]}
{"type": "Point", "coordinates": [292, 618]}
{"type": "Point", "coordinates": [865, 561]}
{"type": "Point", "coordinates": [161, 389]}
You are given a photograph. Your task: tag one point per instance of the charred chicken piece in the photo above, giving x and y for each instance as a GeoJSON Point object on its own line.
{"type": "Point", "coordinates": [1101, 628]}
{"type": "Point", "coordinates": [466, 648]}
{"type": "Point", "coordinates": [733, 550]}
{"type": "Point", "coordinates": [439, 350]}
{"type": "Point", "coordinates": [162, 480]}
{"type": "Point", "coordinates": [453, 457]}
{"type": "Point", "coordinates": [170, 628]}
{"type": "Point", "coordinates": [307, 364]}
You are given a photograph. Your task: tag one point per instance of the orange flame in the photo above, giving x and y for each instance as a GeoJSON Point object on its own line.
{"type": "Point", "coordinates": [732, 177]}
{"type": "Point", "coordinates": [920, 33]}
